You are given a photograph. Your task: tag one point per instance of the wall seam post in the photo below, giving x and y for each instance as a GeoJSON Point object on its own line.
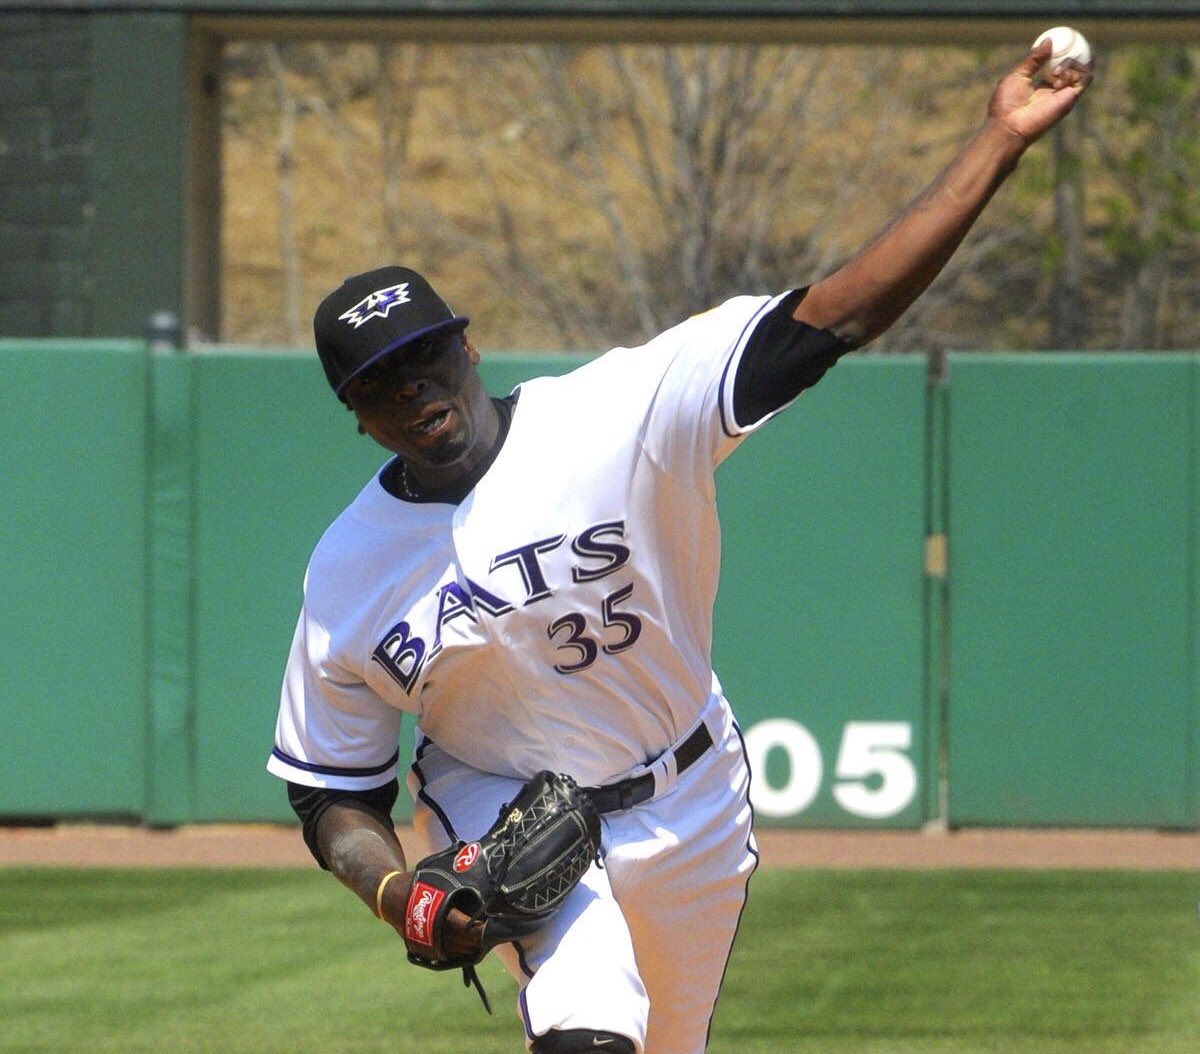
{"type": "Point", "coordinates": [170, 764]}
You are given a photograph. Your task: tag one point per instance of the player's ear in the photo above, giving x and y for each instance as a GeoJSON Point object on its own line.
{"type": "Point", "coordinates": [361, 430]}
{"type": "Point", "coordinates": [472, 354]}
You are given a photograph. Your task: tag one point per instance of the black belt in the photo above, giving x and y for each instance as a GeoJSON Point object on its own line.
{"type": "Point", "coordinates": [637, 789]}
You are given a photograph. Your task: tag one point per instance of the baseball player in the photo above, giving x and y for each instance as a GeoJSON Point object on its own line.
{"type": "Point", "coordinates": [532, 577]}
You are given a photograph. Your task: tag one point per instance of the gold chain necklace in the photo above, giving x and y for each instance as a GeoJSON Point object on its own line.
{"type": "Point", "coordinates": [406, 488]}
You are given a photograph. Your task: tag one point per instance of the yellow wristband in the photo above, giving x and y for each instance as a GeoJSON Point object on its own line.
{"type": "Point", "coordinates": [379, 892]}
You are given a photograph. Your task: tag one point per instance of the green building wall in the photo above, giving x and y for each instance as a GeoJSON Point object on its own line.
{"type": "Point", "coordinates": [160, 508]}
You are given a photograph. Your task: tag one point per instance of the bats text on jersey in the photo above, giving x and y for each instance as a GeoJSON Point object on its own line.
{"type": "Point", "coordinates": [403, 651]}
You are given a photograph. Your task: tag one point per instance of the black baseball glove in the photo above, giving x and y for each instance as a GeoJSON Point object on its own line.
{"type": "Point", "coordinates": [512, 880]}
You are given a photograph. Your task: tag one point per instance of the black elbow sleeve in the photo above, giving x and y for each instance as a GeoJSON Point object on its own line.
{"type": "Point", "coordinates": [310, 803]}
{"type": "Point", "coordinates": [780, 360]}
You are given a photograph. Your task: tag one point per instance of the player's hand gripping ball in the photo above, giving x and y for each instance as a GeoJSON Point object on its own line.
{"type": "Point", "coordinates": [1066, 44]}
{"type": "Point", "coordinates": [512, 880]}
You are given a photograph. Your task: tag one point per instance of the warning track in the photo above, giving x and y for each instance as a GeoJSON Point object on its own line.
{"type": "Point", "coordinates": [279, 845]}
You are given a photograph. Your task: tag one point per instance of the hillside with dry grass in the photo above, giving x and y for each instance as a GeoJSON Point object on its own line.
{"type": "Point", "coordinates": [579, 197]}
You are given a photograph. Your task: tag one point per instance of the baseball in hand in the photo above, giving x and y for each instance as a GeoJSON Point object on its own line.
{"type": "Point", "coordinates": [1068, 43]}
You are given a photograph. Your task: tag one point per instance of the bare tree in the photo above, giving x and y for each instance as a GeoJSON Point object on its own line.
{"type": "Point", "coordinates": [575, 196]}
{"type": "Point", "coordinates": [681, 164]}
{"type": "Point", "coordinates": [1068, 309]}
{"type": "Point", "coordinates": [397, 92]}
{"type": "Point", "coordinates": [285, 162]}
{"type": "Point", "coordinates": [1151, 149]}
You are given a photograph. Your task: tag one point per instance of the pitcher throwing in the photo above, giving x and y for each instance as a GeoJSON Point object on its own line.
{"type": "Point", "coordinates": [533, 578]}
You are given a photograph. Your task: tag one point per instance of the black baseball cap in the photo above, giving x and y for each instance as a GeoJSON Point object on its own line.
{"type": "Point", "coordinates": [372, 314]}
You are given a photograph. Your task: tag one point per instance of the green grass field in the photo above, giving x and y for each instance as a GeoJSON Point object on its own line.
{"type": "Point", "coordinates": [874, 962]}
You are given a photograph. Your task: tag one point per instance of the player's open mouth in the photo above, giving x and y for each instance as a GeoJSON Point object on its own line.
{"type": "Point", "coordinates": [427, 426]}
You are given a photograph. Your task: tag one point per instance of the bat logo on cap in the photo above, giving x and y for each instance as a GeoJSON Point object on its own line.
{"type": "Point", "coordinates": [376, 304]}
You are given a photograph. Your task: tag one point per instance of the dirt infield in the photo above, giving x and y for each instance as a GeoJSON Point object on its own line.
{"type": "Point", "coordinates": [270, 845]}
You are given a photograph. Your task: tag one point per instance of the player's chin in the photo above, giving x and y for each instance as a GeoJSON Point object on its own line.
{"type": "Point", "coordinates": [447, 447]}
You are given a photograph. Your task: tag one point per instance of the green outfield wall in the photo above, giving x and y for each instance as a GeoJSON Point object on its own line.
{"type": "Point", "coordinates": [73, 553]}
{"type": "Point", "coordinates": [160, 508]}
{"type": "Point", "coordinates": [1072, 513]}
{"type": "Point", "coordinates": [821, 615]}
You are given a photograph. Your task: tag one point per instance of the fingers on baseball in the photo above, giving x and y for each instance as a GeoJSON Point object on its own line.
{"type": "Point", "coordinates": [1034, 60]}
{"type": "Point", "coordinates": [1069, 74]}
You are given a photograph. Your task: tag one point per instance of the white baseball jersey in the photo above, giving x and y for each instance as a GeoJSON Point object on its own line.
{"type": "Point", "coordinates": [560, 617]}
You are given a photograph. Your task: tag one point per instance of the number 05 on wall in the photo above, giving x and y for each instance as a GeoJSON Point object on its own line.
{"type": "Point", "coordinates": [874, 778]}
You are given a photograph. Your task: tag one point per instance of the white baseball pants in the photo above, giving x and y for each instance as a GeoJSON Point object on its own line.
{"type": "Point", "coordinates": [640, 946]}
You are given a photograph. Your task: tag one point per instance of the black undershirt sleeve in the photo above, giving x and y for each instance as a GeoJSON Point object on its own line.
{"type": "Point", "coordinates": [309, 803]}
{"type": "Point", "coordinates": [781, 359]}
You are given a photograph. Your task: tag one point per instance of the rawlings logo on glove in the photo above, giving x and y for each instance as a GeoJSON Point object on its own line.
{"type": "Point", "coordinates": [422, 906]}
{"type": "Point", "coordinates": [466, 856]}
{"type": "Point", "coordinates": [512, 880]}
